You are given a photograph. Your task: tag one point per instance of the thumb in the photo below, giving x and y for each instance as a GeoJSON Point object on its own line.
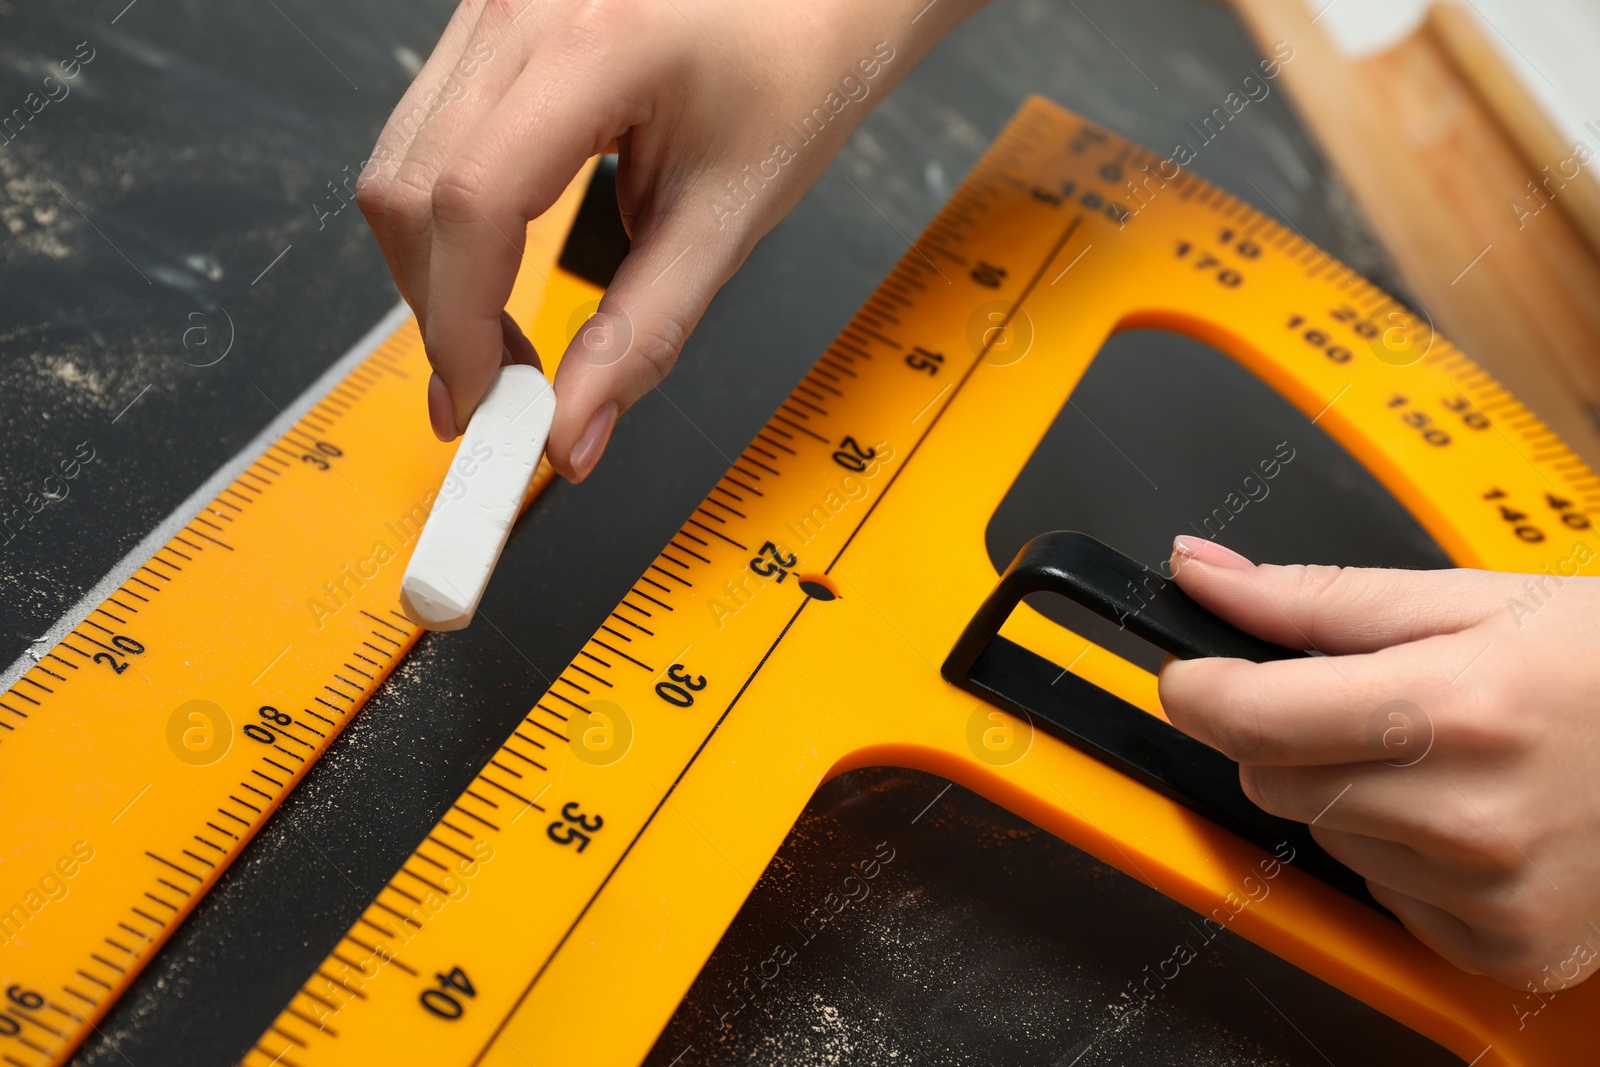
{"type": "Point", "coordinates": [1336, 610]}
{"type": "Point", "coordinates": [632, 341]}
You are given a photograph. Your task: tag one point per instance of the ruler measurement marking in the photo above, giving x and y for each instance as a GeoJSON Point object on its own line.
{"type": "Point", "coordinates": [475, 818]}
{"type": "Point", "coordinates": [591, 655]}
{"type": "Point", "coordinates": [323, 718]}
{"type": "Point", "coordinates": [208, 537]}
{"type": "Point", "coordinates": [659, 603]}
{"type": "Point", "coordinates": [36, 685]}
{"type": "Point", "coordinates": [714, 533]}
{"type": "Point", "coordinates": [747, 474]}
{"type": "Point", "coordinates": [546, 729]}
{"type": "Point", "coordinates": [18, 1013]}
{"type": "Point", "coordinates": [202, 859]}
{"type": "Point", "coordinates": [563, 699]}
{"type": "Point", "coordinates": [779, 445]}
{"type": "Point", "coordinates": [802, 429]}
{"type": "Point", "coordinates": [619, 652]}
{"type": "Point", "coordinates": [876, 336]}
{"type": "Point", "coordinates": [686, 549]}
{"type": "Point", "coordinates": [175, 888]}
{"type": "Point", "coordinates": [86, 999]}
{"type": "Point", "coordinates": [391, 957]}
{"type": "Point", "coordinates": [449, 848]}
{"type": "Point", "coordinates": [297, 1013]}
{"type": "Point", "coordinates": [507, 748]}
{"type": "Point", "coordinates": [386, 622]}
{"type": "Point", "coordinates": [358, 994]}
{"type": "Point", "coordinates": [85, 974]}
{"type": "Point", "coordinates": [496, 763]}
{"type": "Point", "coordinates": [757, 463]}
{"type": "Point", "coordinates": [662, 570]}
{"type": "Point", "coordinates": [591, 674]}
{"type": "Point", "coordinates": [511, 792]}
{"type": "Point", "coordinates": [814, 407]}
{"type": "Point", "coordinates": [281, 1032]}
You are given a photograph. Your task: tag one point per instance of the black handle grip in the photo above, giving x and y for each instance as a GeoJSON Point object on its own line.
{"type": "Point", "coordinates": [1116, 587]}
{"type": "Point", "coordinates": [1107, 727]}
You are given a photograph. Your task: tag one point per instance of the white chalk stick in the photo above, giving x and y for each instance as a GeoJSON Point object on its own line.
{"type": "Point", "coordinates": [479, 500]}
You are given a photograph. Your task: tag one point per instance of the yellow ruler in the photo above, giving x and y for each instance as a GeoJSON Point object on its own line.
{"type": "Point", "coordinates": [795, 626]}
{"type": "Point", "coordinates": [141, 753]}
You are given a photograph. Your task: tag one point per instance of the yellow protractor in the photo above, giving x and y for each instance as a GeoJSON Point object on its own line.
{"type": "Point", "coordinates": [805, 620]}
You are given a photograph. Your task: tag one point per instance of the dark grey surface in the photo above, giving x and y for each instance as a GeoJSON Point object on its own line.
{"type": "Point", "coordinates": [200, 139]}
{"type": "Point", "coordinates": [903, 924]}
{"type": "Point", "coordinates": [1167, 459]}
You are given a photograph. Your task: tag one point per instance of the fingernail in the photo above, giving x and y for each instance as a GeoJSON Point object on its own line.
{"type": "Point", "coordinates": [593, 441]}
{"type": "Point", "coordinates": [518, 349]}
{"type": "Point", "coordinates": [441, 410]}
{"type": "Point", "coordinates": [1200, 550]}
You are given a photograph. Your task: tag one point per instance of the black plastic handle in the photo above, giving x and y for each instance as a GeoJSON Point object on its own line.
{"type": "Point", "coordinates": [1104, 725]}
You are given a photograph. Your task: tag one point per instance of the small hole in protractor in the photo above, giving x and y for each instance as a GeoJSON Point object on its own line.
{"type": "Point", "coordinates": [818, 587]}
{"type": "Point", "coordinates": [1166, 435]}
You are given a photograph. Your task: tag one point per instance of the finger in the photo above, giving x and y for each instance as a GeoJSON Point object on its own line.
{"type": "Point", "coordinates": [517, 347]}
{"type": "Point", "coordinates": [1397, 807]}
{"type": "Point", "coordinates": [1386, 817]}
{"type": "Point", "coordinates": [1334, 609]}
{"type": "Point", "coordinates": [563, 109]}
{"type": "Point", "coordinates": [1435, 927]}
{"type": "Point", "coordinates": [472, 91]}
{"type": "Point", "coordinates": [1317, 710]}
{"type": "Point", "coordinates": [1401, 868]}
{"type": "Point", "coordinates": [402, 126]}
{"type": "Point", "coordinates": [633, 341]}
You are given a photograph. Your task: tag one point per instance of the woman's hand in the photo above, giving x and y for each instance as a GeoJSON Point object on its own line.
{"type": "Point", "coordinates": [723, 113]}
{"type": "Point", "coordinates": [1446, 748]}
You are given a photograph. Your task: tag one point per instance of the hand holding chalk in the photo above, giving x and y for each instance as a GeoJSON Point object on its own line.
{"type": "Point", "coordinates": [479, 500]}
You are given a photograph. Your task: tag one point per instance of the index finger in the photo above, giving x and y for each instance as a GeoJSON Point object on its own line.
{"type": "Point", "coordinates": [518, 163]}
{"type": "Point", "coordinates": [1315, 711]}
